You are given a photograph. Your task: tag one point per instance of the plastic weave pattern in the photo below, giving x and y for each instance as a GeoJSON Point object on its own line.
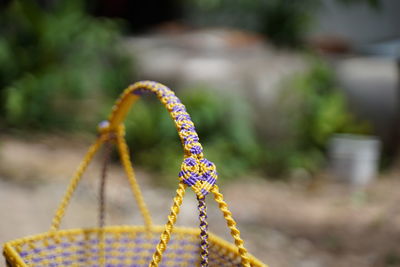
{"type": "Point", "coordinates": [147, 245]}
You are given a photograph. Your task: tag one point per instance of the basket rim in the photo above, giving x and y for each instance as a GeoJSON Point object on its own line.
{"type": "Point", "coordinates": [11, 253]}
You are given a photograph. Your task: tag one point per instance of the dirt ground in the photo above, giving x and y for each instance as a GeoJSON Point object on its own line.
{"type": "Point", "coordinates": [302, 224]}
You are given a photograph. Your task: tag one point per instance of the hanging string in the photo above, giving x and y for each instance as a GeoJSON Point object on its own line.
{"type": "Point", "coordinates": [103, 180]}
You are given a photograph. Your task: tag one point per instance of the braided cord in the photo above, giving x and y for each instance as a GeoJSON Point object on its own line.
{"type": "Point", "coordinates": [126, 162]}
{"type": "Point", "coordinates": [169, 226]}
{"type": "Point", "coordinates": [203, 231]}
{"type": "Point", "coordinates": [74, 183]}
{"type": "Point", "coordinates": [219, 198]}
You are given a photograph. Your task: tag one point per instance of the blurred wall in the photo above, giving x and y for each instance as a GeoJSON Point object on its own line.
{"type": "Point", "coordinates": [359, 23]}
{"type": "Point", "coordinates": [371, 85]}
{"type": "Point", "coordinates": [370, 76]}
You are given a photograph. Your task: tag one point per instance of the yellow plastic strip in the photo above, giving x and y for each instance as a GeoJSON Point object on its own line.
{"type": "Point", "coordinates": [122, 106]}
{"type": "Point", "coordinates": [219, 198]}
{"type": "Point", "coordinates": [169, 226]}
{"type": "Point", "coordinates": [74, 183]}
{"type": "Point", "coordinates": [13, 257]}
{"type": "Point", "coordinates": [126, 162]}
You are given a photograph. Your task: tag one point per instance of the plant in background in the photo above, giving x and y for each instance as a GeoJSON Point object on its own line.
{"type": "Point", "coordinates": [316, 110]}
{"type": "Point", "coordinates": [54, 57]}
{"type": "Point", "coordinates": [58, 64]}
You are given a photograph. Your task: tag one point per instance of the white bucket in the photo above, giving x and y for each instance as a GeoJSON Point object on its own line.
{"type": "Point", "coordinates": [354, 158]}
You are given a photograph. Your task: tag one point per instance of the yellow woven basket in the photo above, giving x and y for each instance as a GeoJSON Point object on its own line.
{"type": "Point", "coordinates": [148, 245]}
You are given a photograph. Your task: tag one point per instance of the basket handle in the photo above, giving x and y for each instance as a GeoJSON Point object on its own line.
{"type": "Point", "coordinates": [196, 171]}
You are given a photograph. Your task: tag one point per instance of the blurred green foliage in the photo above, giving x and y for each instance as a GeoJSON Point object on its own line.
{"type": "Point", "coordinates": [62, 69]}
{"type": "Point", "coordinates": [53, 57]}
{"type": "Point", "coordinates": [223, 123]}
{"type": "Point", "coordinates": [283, 22]}
{"type": "Point", "coordinates": [316, 109]}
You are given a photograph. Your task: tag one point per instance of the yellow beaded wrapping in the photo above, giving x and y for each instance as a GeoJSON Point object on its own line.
{"type": "Point", "coordinates": [147, 245]}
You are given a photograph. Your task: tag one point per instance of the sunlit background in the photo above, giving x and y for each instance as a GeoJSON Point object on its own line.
{"type": "Point", "coordinates": [296, 102]}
